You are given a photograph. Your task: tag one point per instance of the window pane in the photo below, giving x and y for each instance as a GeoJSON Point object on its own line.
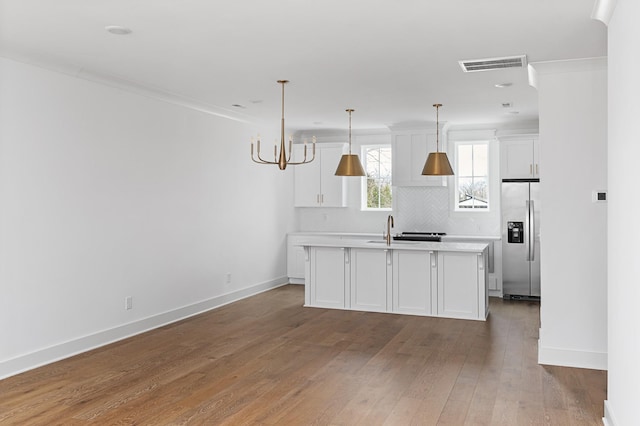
{"type": "Point", "coordinates": [377, 165]}
{"type": "Point", "coordinates": [480, 193]}
{"type": "Point", "coordinates": [385, 164]}
{"type": "Point", "coordinates": [465, 192]}
{"type": "Point", "coordinates": [480, 160]}
{"type": "Point", "coordinates": [465, 160]}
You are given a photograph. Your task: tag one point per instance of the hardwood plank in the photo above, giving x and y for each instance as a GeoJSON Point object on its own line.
{"type": "Point", "coordinates": [268, 360]}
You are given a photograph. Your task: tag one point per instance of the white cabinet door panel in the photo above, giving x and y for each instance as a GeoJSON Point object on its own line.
{"type": "Point", "coordinates": [332, 187]}
{"type": "Point", "coordinates": [316, 184]}
{"type": "Point", "coordinates": [458, 285]}
{"type": "Point", "coordinates": [412, 277]}
{"type": "Point", "coordinates": [327, 277]}
{"type": "Point", "coordinates": [519, 159]}
{"type": "Point", "coordinates": [369, 279]}
{"type": "Point", "coordinates": [306, 185]}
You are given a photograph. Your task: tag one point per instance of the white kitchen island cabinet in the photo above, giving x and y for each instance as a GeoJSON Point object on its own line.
{"type": "Point", "coordinates": [325, 275]}
{"type": "Point", "coordinates": [414, 273]}
{"type": "Point", "coordinates": [461, 276]}
{"type": "Point", "coordinates": [370, 269]}
{"type": "Point", "coordinates": [417, 278]}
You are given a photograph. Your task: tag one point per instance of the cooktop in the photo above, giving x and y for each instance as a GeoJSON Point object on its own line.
{"type": "Point", "coordinates": [420, 236]}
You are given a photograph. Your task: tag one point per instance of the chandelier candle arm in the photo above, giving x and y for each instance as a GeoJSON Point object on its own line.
{"type": "Point", "coordinates": [282, 159]}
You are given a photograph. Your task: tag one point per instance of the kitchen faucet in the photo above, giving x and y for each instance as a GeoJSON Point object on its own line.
{"type": "Point", "coordinates": [389, 226]}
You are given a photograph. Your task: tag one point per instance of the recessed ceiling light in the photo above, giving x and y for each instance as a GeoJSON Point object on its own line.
{"type": "Point", "coordinates": [118, 30]}
{"type": "Point", "coordinates": [503, 85]}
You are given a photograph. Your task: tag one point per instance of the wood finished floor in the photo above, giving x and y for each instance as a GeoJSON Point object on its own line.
{"type": "Point", "coordinates": [267, 360]}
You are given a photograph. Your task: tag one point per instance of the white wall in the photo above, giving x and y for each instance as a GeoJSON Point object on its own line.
{"type": "Point", "coordinates": [624, 205]}
{"type": "Point", "coordinates": [106, 194]}
{"type": "Point", "coordinates": [573, 159]}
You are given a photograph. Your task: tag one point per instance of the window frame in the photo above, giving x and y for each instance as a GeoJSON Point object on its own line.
{"type": "Point", "coordinates": [456, 178]}
{"type": "Point", "coordinates": [363, 180]}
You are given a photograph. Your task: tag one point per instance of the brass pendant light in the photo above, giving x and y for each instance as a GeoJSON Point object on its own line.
{"type": "Point", "coordinates": [350, 163]}
{"type": "Point", "coordinates": [437, 163]}
{"type": "Point", "coordinates": [283, 160]}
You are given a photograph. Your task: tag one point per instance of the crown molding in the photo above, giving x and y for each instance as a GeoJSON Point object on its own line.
{"type": "Point", "coordinates": [603, 10]}
{"type": "Point", "coordinates": [557, 67]}
{"type": "Point", "coordinates": [117, 82]}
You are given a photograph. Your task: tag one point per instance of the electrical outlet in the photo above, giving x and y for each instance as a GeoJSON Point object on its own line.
{"type": "Point", "coordinates": [128, 303]}
{"type": "Point", "coordinates": [228, 278]}
{"type": "Point", "coordinates": [599, 196]}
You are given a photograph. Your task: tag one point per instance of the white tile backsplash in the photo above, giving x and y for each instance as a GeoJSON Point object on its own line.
{"type": "Point", "coordinates": [421, 208]}
{"type": "Point", "coordinates": [416, 209]}
{"type": "Point", "coordinates": [427, 209]}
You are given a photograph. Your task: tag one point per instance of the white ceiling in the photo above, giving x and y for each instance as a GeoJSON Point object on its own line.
{"type": "Point", "coordinates": [390, 60]}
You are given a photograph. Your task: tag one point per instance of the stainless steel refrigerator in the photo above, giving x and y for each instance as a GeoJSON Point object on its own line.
{"type": "Point", "coordinates": [521, 239]}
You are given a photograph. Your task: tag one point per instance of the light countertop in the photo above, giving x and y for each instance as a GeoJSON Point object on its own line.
{"type": "Point", "coordinates": [379, 243]}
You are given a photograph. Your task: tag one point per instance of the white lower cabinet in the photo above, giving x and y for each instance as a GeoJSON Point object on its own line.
{"type": "Point", "coordinates": [413, 275]}
{"type": "Point", "coordinates": [327, 272]}
{"type": "Point", "coordinates": [370, 273]}
{"type": "Point", "coordinates": [461, 285]}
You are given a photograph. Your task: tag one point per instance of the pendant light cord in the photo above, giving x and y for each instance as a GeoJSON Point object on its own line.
{"type": "Point", "coordinates": [350, 111]}
{"type": "Point", "coordinates": [437, 126]}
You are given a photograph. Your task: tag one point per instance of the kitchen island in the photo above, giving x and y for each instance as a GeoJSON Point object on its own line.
{"type": "Point", "coordinates": [444, 279]}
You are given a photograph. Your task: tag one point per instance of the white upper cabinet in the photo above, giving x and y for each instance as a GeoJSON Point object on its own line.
{"type": "Point", "coordinates": [411, 149]}
{"type": "Point", "coordinates": [316, 184]}
{"type": "Point", "coordinates": [519, 158]}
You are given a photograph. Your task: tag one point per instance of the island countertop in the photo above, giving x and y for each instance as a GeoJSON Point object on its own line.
{"type": "Point", "coordinates": [379, 243]}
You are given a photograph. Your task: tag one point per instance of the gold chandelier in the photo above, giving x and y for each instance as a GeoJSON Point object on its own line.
{"type": "Point", "coordinates": [350, 163]}
{"type": "Point", "coordinates": [282, 159]}
{"type": "Point", "coordinates": [437, 163]}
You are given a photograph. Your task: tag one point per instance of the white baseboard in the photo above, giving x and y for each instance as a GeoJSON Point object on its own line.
{"type": "Point", "coordinates": [64, 350]}
{"type": "Point", "coordinates": [495, 293]}
{"type": "Point", "coordinates": [571, 358]}
{"type": "Point", "coordinates": [609, 418]}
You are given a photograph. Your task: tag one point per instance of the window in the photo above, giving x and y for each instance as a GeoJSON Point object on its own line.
{"type": "Point", "coordinates": [472, 176]}
{"type": "Point", "coordinates": [376, 185]}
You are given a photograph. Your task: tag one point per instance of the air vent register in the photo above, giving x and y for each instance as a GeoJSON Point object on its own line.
{"type": "Point", "coordinates": [474, 65]}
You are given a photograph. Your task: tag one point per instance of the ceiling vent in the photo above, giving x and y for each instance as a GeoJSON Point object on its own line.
{"type": "Point", "coordinates": [489, 64]}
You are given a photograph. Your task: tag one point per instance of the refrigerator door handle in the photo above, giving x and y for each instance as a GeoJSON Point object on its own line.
{"type": "Point", "coordinates": [527, 229]}
{"type": "Point", "coordinates": [532, 237]}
